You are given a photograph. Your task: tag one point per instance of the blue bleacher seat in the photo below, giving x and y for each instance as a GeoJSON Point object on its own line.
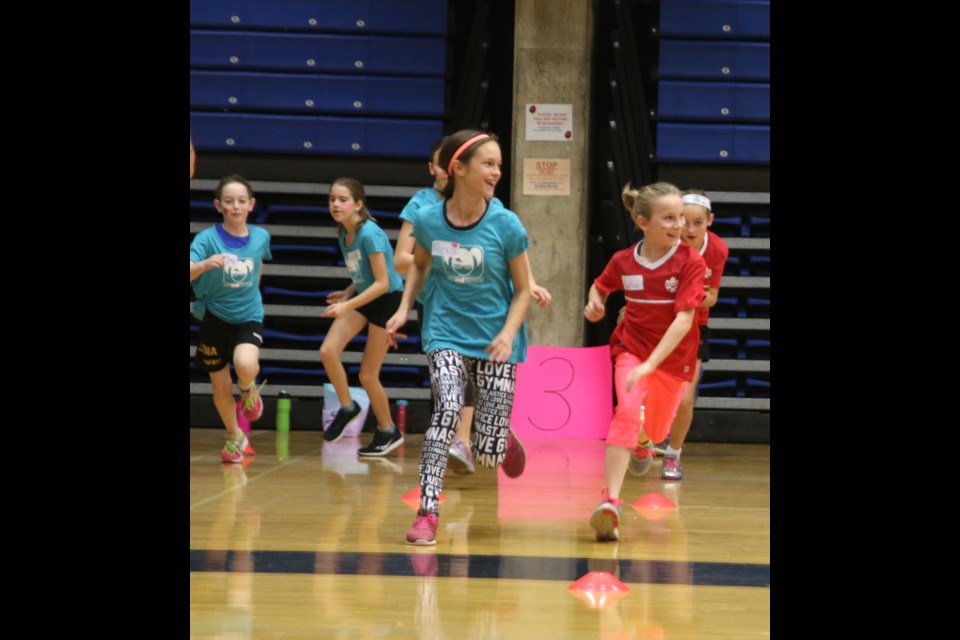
{"type": "Point", "coordinates": [706, 60]}
{"type": "Point", "coordinates": [204, 211]}
{"type": "Point", "coordinates": [385, 215]}
{"type": "Point", "coordinates": [758, 266]}
{"type": "Point", "coordinates": [758, 227]}
{"type": "Point", "coordinates": [755, 308]}
{"type": "Point", "coordinates": [318, 94]}
{"type": "Point", "coordinates": [398, 375]}
{"type": "Point", "coordinates": [280, 295]}
{"type": "Point", "coordinates": [318, 135]}
{"type": "Point", "coordinates": [296, 214]}
{"type": "Point", "coordinates": [359, 16]}
{"type": "Point", "coordinates": [393, 376]}
{"type": "Point", "coordinates": [732, 265]}
{"type": "Point", "coordinates": [717, 388]}
{"type": "Point", "coordinates": [727, 226]}
{"type": "Point", "coordinates": [713, 143]}
{"type": "Point", "coordinates": [726, 307]}
{"type": "Point", "coordinates": [272, 336]}
{"type": "Point", "coordinates": [754, 388]}
{"type": "Point", "coordinates": [756, 348]}
{"type": "Point", "coordinates": [282, 52]}
{"type": "Point", "coordinates": [306, 254]}
{"type": "Point", "coordinates": [713, 101]}
{"type": "Point", "coordinates": [723, 347]}
{"type": "Point", "coordinates": [733, 19]}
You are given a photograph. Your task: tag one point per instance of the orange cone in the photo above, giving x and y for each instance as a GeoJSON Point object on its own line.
{"type": "Point", "coordinates": [412, 499]}
{"type": "Point", "coordinates": [654, 506]}
{"type": "Point", "coordinates": [599, 588]}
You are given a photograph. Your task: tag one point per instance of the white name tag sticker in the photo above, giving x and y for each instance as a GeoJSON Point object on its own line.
{"type": "Point", "coordinates": [445, 249]}
{"type": "Point", "coordinates": [632, 283]}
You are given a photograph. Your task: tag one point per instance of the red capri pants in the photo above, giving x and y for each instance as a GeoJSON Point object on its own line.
{"type": "Point", "coordinates": [650, 406]}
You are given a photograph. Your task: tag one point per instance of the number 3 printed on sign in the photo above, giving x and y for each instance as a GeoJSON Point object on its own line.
{"type": "Point", "coordinates": [557, 393]}
{"type": "Point", "coordinates": [564, 392]}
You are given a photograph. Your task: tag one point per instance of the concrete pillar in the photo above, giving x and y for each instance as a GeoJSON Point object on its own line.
{"type": "Point", "coordinates": [553, 44]}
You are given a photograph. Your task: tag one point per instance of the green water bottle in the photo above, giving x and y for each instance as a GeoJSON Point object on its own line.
{"type": "Point", "coordinates": [283, 426]}
{"type": "Point", "coordinates": [283, 411]}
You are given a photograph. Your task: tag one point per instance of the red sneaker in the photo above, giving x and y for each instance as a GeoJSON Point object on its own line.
{"type": "Point", "coordinates": [516, 460]}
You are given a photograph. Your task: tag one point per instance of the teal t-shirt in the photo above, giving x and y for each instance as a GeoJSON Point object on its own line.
{"type": "Point", "coordinates": [422, 198]}
{"type": "Point", "coordinates": [469, 284]}
{"type": "Point", "coordinates": [369, 239]}
{"type": "Point", "coordinates": [232, 293]}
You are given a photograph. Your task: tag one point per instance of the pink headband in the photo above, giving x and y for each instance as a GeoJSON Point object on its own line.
{"type": "Point", "coordinates": [461, 149]}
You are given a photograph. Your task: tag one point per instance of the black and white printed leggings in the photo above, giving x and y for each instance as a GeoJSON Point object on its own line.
{"type": "Point", "coordinates": [494, 383]}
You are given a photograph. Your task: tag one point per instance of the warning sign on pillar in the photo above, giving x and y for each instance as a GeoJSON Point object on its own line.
{"type": "Point", "coordinates": [546, 176]}
{"type": "Point", "coordinates": [549, 122]}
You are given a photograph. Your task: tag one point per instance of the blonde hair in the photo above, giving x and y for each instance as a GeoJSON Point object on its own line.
{"type": "Point", "coordinates": [639, 202]}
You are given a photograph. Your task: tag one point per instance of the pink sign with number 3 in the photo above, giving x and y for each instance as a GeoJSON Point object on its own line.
{"type": "Point", "coordinates": [564, 393]}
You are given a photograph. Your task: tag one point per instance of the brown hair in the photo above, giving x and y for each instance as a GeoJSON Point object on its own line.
{"type": "Point", "coordinates": [358, 194]}
{"type": "Point", "coordinates": [450, 146]}
{"type": "Point", "coordinates": [232, 179]}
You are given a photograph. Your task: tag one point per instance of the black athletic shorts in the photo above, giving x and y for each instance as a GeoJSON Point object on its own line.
{"type": "Point", "coordinates": [218, 339]}
{"type": "Point", "coordinates": [378, 311]}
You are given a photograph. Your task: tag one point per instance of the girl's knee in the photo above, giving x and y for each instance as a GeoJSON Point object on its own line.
{"type": "Point", "coordinates": [369, 378]}
{"type": "Point", "coordinates": [329, 353]}
{"type": "Point", "coordinates": [247, 369]}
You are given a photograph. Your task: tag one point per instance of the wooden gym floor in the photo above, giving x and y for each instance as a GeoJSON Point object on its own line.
{"type": "Point", "coordinates": [306, 540]}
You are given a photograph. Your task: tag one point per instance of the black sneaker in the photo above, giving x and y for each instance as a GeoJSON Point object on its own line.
{"type": "Point", "coordinates": [335, 431]}
{"type": "Point", "coordinates": [383, 443]}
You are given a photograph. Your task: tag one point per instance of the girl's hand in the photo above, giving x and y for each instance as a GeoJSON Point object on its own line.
{"type": "Point", "coordinates": [500, 348]}
{"type": "Point", "coordinates": [215, 262]}
{"type": "Point", "coordinates": [541, 296]}
{"type": "Point", "coordinates": [620, 316]}
{"type": "Point", "coordinates": [594, 311]}
{"type": "Point", "coordinates": [636, 373]}
{"type": "Point", "coordinates": [393, 325]}
{"type": "Point", "coordinates": [392, 339]}
{"type": "Point", "coordinates": [335, 310]}
{"type": "Point", "coordinates": [337, 296]}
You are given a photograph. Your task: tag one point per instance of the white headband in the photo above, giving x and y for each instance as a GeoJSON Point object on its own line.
{"type": "Point", "coordinates": [696, 198]}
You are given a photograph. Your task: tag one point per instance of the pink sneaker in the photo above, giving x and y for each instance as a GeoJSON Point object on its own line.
{"type": "Point", "coordinates": [242, 421]}
{"type": "Point", "coordinates": [233, 449]}
{"type": "Point", "coordinates": [516, 459]}
{"type": "Point", "coordinates": [424, 529]}
{"type": "Point", "coordinates": [250, 402]}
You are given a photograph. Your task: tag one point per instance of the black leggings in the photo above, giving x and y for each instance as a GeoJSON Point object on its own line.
{"type": "Point", "coordinates": [494, 383]}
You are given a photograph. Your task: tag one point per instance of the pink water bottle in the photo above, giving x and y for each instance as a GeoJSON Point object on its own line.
{"type": "Point", "coordinates": [402, 415]}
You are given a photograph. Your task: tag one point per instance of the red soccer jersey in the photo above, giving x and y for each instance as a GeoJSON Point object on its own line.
{"type": "Point", "coordinates": [655, 292]}
{"type": "Point", "coordinates": [714, 252]}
